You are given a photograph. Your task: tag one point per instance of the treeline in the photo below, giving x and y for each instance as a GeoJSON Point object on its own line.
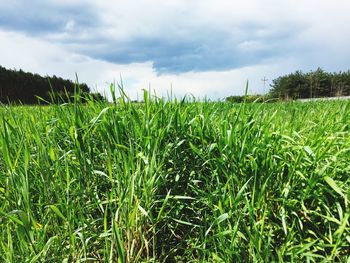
{"type": "Point", "coordinates": [24, 87]}
{"type": "Point", "coordinates": [247, 98]}
{"type": "Point", "coordinates": [314, 84]}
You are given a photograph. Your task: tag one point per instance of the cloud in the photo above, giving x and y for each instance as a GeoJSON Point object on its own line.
{"type": "Point", "coordinates": [176, 37]}
{"type": "Point", "coordinates": [193, 53]}
{"type": "Point", "coordinates": [40, 18]}
{"type": "Point", "coordinates": [50, 59]}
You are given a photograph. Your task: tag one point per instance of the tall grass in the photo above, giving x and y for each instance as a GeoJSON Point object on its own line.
{"type": "Point", "coordinates": [175, 181]}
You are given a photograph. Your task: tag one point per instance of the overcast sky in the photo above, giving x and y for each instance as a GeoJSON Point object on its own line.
{"type": "Point", "coordinates": [199, 47]}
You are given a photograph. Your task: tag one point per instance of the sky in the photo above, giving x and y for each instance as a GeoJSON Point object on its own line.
{"type": "Point", "coordinates": [202, 48]}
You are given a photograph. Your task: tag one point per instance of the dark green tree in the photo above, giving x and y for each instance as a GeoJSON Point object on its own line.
{"type": "Point", "coordinates": [24, 87]}
{"type": "Point", "coordinates": [314, 84]}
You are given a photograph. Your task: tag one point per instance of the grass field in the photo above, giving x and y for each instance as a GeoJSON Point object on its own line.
{"type": "Point", "coordinates": [180, 181]}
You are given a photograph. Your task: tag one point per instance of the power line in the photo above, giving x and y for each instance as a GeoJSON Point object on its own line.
{"type": "Point", "coordinates": [264, 80]}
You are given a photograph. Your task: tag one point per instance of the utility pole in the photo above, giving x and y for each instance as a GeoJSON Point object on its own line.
{"type": "Point", "coordinates": [264, 80]}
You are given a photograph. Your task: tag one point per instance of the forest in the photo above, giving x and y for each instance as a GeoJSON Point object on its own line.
{"type": "Point", "coordinates": [314, 84]}
{"type": "Point", "coordinates": [17, 86]}
{"type": "Point", "coordinates": [300, 85]}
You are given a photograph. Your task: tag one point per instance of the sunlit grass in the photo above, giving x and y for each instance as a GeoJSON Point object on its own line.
{"type": "Point", "coordinates": [175, 181]}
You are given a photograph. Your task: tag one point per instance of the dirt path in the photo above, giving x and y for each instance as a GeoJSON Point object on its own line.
{"type": "Point", "coordinates": [328, 98]}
